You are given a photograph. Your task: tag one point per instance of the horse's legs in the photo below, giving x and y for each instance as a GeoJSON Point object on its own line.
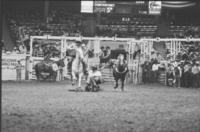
{"type": "Point", "coordinates": [122, 79]}
{"type": "Point", "coordinates": [73, 78]}
{"type": "Point", "coordinates": [116, 83]}
{"type": "Point", "coordinates": [80, 79]}
{"type": "Point", "coordinates": [93, 84]}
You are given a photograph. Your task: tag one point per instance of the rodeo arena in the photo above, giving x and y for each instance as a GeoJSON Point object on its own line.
{"type": "Point", "coordinates": [100, 66]}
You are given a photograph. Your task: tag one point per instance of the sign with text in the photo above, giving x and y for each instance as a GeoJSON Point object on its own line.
{"type": "Point", "coordinates": [154, 7]}
{"type": "Point", "coordinates": [87, 6]}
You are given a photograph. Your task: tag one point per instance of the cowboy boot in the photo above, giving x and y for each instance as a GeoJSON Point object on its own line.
{"type": "Point", "coordinates": [73, 82]}
{"type": "Point", "coordinates": [116, 86]}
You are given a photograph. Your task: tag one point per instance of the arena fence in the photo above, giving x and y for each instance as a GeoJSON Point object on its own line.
{"type": "Point", "coordinates": [146, 46]}
{"type": "Point", "coordinates": [9, 62]}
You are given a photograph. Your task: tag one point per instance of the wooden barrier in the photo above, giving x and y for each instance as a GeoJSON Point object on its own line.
{"type": "Point", "coordinates": [9, 62]}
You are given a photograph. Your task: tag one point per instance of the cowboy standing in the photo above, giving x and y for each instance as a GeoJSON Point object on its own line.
{"type": "Point", "coordinates": [195, 75]}
{"type": "Point", "coordinates": [101, 55]}
{"type": "Point", "coordinates": [108, 54]}
{"type": "Point", "coordinates": [19, 70]}
{"type": "Point", "coordinates": [82, 56]}
{"type": "Point", "coordinates": [177, 76]}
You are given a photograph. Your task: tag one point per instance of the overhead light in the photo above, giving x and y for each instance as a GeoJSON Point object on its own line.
{"type": "Point", "coordinates": [177, 4]}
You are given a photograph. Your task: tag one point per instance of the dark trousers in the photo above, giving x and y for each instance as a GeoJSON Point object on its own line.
{"type": "Point", "coordinates": [177, 81]}
{"type": "Point", "coordinates": [198, 80]}
{"type": "Point", "coordinates": [182, 80]}
{"type": "Point", "coordinates": [19, 74]}
{"type": "Point", "coordinates": [155, 76]}
{"type": "Point", "coordinates": [195, 80]}
{"type": "Point", "coordinates": [85, 67]}
{"type": "Point", "coordinates": [151, 79]}
{"type": "Point", "coordinates": [144, 77]}
{"type": "Point", "coordinates": [187, 79]}
{"type": "Point", "coordinates": [69, 66]}
{"type": "Point", "coordinates": [169, 76]}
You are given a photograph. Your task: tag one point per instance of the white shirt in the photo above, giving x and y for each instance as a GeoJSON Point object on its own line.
{"type": "Point", "coordinates": [155, 67]}
{"type": "Point", "coordinates": [55, 67]}
{"type": "Point", "coordinates": [81, 52]}
{"type": "Point", "coordinates": [94, 74]}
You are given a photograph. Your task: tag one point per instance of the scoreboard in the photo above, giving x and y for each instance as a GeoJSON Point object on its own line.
{"type": "Point", "coordinates": [103, 7]}
{"type": "Point", "coordinates": [122, 7]}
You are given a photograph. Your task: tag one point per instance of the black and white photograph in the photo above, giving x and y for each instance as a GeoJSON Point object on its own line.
{"type": "Point", "coordinates": [100, 66]}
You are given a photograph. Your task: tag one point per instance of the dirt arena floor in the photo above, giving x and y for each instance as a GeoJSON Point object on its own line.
{"type": "Point", "coordinates": [50, 107]}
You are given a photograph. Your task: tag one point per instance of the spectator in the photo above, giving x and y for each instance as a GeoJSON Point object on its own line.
{"type": "Point", "coordinates": [18, 70]}
{"type": "Point", "coordinates": [195, 75]}
{"type": "Point", "coordinates": [101, 55]}
{"type": "Point", "coordinates": [108, 54]}
{"type": "Point", "coordinates": [155, 67]}
{"type": "Point", "coordinates": [169, 74]}
{"type": "Point", "coordinates": [177, 76]}
{"type": "Point", "coordinates": [22, 48]}
{"type": "Point", "coordinates": [187, 76]}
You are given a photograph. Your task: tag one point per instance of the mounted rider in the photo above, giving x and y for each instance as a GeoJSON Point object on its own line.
{"type": "Point", "coordinates": [83, 51]}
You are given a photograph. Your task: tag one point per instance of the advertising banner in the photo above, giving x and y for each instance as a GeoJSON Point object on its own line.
{"type": "Point", "coordinates": [154, 7]}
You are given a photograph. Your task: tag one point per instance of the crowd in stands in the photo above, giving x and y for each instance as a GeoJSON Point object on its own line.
{"type": "Point", "coordinates": [62, 22]}
{"type": "Point", "coordinates": [119, 26]}
{"type": "Point", "coordinates": [58, 23]}
{"type": "Point", "coordinates": [181, 27]}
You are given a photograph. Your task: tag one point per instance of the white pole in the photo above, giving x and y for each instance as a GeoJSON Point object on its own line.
{"type": "Point", "coordinates": [31, 58]}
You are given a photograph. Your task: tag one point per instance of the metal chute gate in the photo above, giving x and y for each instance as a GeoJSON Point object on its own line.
{"type": "Point", "coordinates": [146, 46]}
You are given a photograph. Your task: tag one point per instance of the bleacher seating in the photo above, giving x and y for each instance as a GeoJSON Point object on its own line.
{"type": "Point", "coordinates": [127, 26]}
{"type": "Point", "coordinates": [62, 22]}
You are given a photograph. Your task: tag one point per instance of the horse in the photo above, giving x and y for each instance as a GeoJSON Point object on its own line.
{"type": "Point", "coordinates": [77, 69]}
{"type": "Point", "coordinates": [44, 67]}
{"type": "Point", "coordinates": [120, 69]}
